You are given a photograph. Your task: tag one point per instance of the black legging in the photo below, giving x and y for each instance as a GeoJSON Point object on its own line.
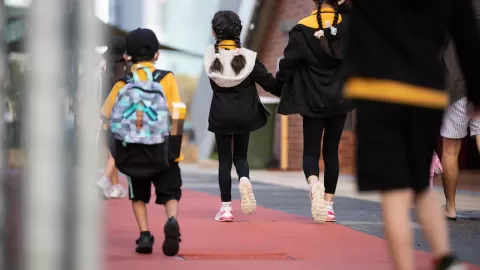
{"type": "Point", "coordinates": [312, 138]}
{"type": "Point", "coordinates": [225, 159]}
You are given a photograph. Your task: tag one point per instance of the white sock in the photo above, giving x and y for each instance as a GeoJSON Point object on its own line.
{"type": "Point", "coordinates": [227, 204]}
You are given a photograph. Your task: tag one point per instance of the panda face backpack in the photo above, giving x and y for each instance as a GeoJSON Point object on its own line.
{"type": "Point", "coordinates": [140, 123]}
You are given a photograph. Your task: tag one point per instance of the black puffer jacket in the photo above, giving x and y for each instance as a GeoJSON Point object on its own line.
{"type": "Point", "coordinates": [312, 79]}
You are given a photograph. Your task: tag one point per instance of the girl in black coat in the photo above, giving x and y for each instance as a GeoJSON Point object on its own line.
{"type": "Point", "coordinates": [236, 109]}
{"type": "Point", "coordinates": [312, 76]}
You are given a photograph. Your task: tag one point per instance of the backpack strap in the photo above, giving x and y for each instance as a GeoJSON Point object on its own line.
{"type": "Point", "coordinates": [155, 76]}
{"type": "Point", "coordinates": [159, 74]}
{"type": "Point", "coordinates": [127, 78]}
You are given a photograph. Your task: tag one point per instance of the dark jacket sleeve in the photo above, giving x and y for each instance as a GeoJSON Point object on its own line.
{"type": "Point", "coordinates": [265, 79]}
{"type": "Point", "coordinates": [466, 36]}
{"type": "Point", "coordinates": [455, 82]}
{"type": "Point", "coordinates": [292, 56]}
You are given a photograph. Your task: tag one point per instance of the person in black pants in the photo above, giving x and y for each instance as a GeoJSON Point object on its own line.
{"type": "Point", "coordinates": [311, 74]}
{"type": "Point", "coordinates": [236, 109]}
{"type": "Point", "coordinates": [397, 80]}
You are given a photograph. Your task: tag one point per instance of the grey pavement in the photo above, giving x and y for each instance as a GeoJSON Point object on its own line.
{"type": "Point", "coordinates": [359, 214]}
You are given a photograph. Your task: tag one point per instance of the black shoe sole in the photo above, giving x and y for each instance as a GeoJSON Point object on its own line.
{"type": "Point", "coordinates": [144, 250]}
{"type": "Point", "coordinates": [171, 244]}
{"type": "Point", "coordinates": [451, 218]}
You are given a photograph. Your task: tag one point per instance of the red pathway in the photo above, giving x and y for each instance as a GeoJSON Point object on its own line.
{"type": "Point", "coordinates": [266, 240]}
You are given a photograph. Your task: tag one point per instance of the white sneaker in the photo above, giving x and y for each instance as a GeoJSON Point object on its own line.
{"type": "Point", "coordinates": [103, 186]}
{"type": "Point", "coordinates": [319, 206]}
{"type": "Point", "coordinates": [331, 213]}
{"type": "Point", "coordinates": [248, 202]}
{"type": "Point", "coordinates": [117, 192]}
{"type": "Point", "coordinates": [225, 214]}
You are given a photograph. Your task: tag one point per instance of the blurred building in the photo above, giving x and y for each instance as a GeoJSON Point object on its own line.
{"type": "Point", "coordinates": [180, 24]}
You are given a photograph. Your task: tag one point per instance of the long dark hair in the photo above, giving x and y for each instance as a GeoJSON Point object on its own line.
{"type": "Point", "coordinates": [116, 70]}
{"type": "Point", "coordinates": [113, 73]}
{"type": "Point", "coordinates": [329, 38]}
{"type": "Point", "coordinates": [227, 26]}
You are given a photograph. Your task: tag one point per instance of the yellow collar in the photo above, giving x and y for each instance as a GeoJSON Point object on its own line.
{"type": "Point", "coordinates": [142, 64]}
{"type": "Point", "coordinates": [227, 44]}
{"type": "Point", "coordinates": [328, 10]}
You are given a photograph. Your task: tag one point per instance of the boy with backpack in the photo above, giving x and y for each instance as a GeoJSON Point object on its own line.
{"type": "Point", "coordinates": [140, 109]}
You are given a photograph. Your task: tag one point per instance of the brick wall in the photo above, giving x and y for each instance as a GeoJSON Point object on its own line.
{"type": "Point", "coordinates": [273, 46]}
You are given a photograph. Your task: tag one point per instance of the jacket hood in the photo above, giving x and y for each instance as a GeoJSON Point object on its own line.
{"type": "Point", "coordinates": [228, 78]}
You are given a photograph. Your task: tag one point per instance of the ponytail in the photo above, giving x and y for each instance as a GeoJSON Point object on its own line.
{"type": "Point", "coordinates": [336, 40]}
{"type": "Point", "coordinates": [332, 44]}
{"type": "Point", "coordinates": [238, 62]}
{"type": "Point", "coordinates": [217, 65]}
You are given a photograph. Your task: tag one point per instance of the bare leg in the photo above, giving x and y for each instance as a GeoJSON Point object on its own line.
{"type": "Point", "coordinates": [451, 151]}
{"type": "Point", "coordinates": [110, 169]}
{"type": "Point", "coordinates": [396, 218]}
{"type": "Point", "coordinates": [171, 208]}
{"type": "Point", "coordinates": [478, 142]}
{"type": "Point", "coordinates": [115, 180]}
{"type": "Point", "coordinates": [329, 197]}
{"type": "Point", "coordinates": [434, 225]}
{"type": "Point", "coordinates": [140, 211]}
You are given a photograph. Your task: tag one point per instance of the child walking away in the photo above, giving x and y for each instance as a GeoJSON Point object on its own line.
{"type": "Point", "coordinates": [397, 80]}
{"type": "Point", "coordinates": [113, 70]}
{"type": "Point", "coordinates": [139, 108]}
{"type": "Point", "coordinates": [312, 75]}
{"type": "Point", "coordinates": [236, 109]}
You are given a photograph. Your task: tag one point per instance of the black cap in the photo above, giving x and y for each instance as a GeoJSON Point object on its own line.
{"type": "Point", "coordinates": [116, 49]}
{"type": "Point", "coordinates": [141, 43]}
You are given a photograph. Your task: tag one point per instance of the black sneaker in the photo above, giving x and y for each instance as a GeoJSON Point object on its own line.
{"type": "Point", "coordinates": [449, 263]}
{"type": "Point", "coordinates": [171, 245]}
{"type": "Point", "coordinates": [145, 244]}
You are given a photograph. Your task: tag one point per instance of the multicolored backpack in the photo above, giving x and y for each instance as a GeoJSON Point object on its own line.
{"type": "Point", "coordinates": [140, 114]}
{"type": "Point", "coordinates": [140, 125]}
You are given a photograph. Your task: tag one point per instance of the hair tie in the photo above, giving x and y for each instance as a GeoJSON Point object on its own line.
{"type": "Point", "coordinates": [319, 34]}
{"type": "Point", "coordinates": [333, 31]}
{"type": "Point", "coordinates": [238, 51]}
{"type": "Point", "coordinates": [216, 56]}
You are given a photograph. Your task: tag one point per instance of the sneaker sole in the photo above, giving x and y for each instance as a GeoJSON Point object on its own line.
{"type": "Point", "coordinates": [248, 202]}
{"type": "Point", "coordinates": [144, 250]}
{"type": "Point", "coordinates": [224, 220]}
{"type": "Point", "coordinates": [319, 207]}
{"type": "Point", "coordinates": [171, 244]}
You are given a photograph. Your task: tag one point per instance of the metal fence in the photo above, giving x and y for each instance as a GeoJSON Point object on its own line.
{"type": "Point", "coordinates": [50, 218]}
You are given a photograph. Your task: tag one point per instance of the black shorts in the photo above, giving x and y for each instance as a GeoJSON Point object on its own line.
{"type": "Point", "coordinates": [168, 186]}
{"type": "Point", "coordinates": [395, 146]}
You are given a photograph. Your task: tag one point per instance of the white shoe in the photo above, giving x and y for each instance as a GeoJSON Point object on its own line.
{"type": "Point", "coordinates": [225, 214]}
{"type": "Point", "coordinates": [319, 205]}
{"type": "Point", "coordinates": [103, 186]}
{"type": "Point", "coordinates": [248, 202]}
{"type": "Point", "coordinates": [117, 192]}
{"type": "Point", "coordinates": [331, 213]}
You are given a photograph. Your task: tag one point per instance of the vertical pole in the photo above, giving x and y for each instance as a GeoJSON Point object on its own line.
{"type": "Point", "coordinates": [89, 218]}
{"type": "Point", "coordinates": [3, 76]}
{"type": "Point", "coordinates": [284, 143]}
{"type": "Point", "coordinates": [43, 212]}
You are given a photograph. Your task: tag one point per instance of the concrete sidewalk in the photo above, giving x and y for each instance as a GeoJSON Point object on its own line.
{"type": "Point", "coordinates": [466, 200]}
